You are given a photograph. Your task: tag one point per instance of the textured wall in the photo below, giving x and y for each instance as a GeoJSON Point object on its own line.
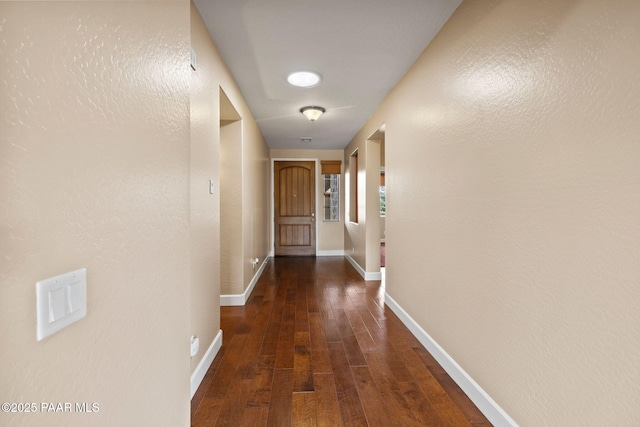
{"type": "Point", "coordinates": [205, 207]}
{"type": "Point", "coordinates": [94, 119]}
{"type": "Point", "coordinates": [255, 198]}
{"type": "Point", "coordinates": [245, 222]}
{"type": "Point", "coordinates": [231, 183]}
{"type": "Point", "coordinates": [513, 233]}
{"type": "Point", "coordinates": [330, 234]}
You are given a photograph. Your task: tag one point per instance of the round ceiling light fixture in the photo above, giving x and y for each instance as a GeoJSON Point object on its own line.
{"type": "Point", "coordinates": [312, 112]}
{"type": "Point", "coordinates": [304, 79]}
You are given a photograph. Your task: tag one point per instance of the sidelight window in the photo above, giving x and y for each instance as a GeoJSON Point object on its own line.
{"type": "Point", "coordinates": [331, 189]}
{"type": "Point", "coordinates": [331, 199]}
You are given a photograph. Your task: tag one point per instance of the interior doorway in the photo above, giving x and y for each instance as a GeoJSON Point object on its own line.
{"type": "Point", "coordinates": [231, 266]}
{"type": "Point", "coordinates": [377, 190]}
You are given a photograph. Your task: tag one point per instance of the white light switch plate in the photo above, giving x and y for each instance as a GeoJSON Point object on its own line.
{"type": "Point", "coordinates": [60, 301]}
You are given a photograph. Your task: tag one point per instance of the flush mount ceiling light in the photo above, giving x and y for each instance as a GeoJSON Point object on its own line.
{"type": "Point", "coordinates": [312, 113]}
{"type": "Point", "coordinates": [304, 79]}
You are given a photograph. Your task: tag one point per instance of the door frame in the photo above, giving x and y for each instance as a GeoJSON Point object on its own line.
{"type": "Point", "coordinates": [273, 194]}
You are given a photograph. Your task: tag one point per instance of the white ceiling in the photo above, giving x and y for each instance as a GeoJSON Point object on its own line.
{"type": "Point", "coordinates": [360, 47]}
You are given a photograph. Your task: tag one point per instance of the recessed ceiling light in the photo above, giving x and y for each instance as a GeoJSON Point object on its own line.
{"type": "Point", "coordinates": [304, 79]}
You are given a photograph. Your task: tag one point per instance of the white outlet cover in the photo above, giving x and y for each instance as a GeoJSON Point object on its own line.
{"type": "Point", "coordinates": [195, 346]}
{"type": "Point", "coordinates": [60, 301]}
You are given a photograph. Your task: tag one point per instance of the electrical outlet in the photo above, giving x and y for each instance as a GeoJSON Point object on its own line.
{"type": "Point", "coordinates": [195, 346]}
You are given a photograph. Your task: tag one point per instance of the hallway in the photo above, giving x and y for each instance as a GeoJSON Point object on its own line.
{"type": "Point", "coordinates": [315, 345]}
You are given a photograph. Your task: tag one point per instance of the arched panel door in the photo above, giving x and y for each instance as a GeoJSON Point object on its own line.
{"type": "Point", "coordinates": [295, 208]}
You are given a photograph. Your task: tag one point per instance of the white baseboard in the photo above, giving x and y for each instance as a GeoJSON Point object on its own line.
{"type": "Point", "coordinates": [372, 275]}
{"type": "Point", "coordinates": [205, 363]}
{"type": "Point", "coordinates": [241, 299]}
{"type": "Point", "coordinates": [478, 396]}
{"type": "Point", "coordinates": [366, 275]}
{"type": "Point", "coordinates": [231, 300]}
{"type": "Point", "coordinates": [330, 253]}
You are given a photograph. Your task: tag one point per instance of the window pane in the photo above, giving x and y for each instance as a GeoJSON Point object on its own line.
{"type": "Point", "coordinates": [331, 197]}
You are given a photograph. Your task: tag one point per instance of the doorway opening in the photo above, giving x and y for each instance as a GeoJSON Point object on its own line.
{"type": "Point", "coordinates": [231, 273]}
{"type": "Point", "coordinates": [377, 191]}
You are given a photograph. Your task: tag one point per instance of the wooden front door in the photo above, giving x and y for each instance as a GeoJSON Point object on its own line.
{"type": "Point", "coordinates": [295, 208]}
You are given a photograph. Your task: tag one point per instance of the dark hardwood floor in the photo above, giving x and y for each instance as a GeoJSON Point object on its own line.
{"type": "Point", "coordinates": [316, 346]}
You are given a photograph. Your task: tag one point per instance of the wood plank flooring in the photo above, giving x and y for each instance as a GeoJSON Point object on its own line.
{"type": "Point", "coordinates": [316, 346]}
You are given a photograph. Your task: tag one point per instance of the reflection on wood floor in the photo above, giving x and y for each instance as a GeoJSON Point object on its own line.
{"type": "Point", "coordinates": [316, 346]}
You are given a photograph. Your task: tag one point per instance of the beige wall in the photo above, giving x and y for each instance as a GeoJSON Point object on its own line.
{"type": "Point", "coordinates": [232, 269]}
{"type": "Point", "coordinates": [330, 238]}
{"type": "Point", "coordinates": [512, 177]}
{"type": "Point", "coordinates": [244, 175]}
{"type": "Point", "coordinates": [95, 160]}
{"type": "Point", "coordinates": [241, 169]}
{"type": "Point", "coordinates": [205, 207]}
{"type": "Point", "coordinates": [255, 198]}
